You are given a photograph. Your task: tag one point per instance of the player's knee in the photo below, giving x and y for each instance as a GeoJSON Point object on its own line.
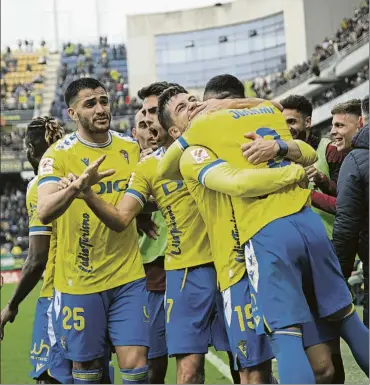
{"type": "Point", "coordinates": [324, 373]}
{"type": "Point", "coordinates": [131, 357]}
{"type": "Point", "coordinates": [98, 363]}
{"type": "Point", "coordinates": [157, 369]}
{"type": "Point", "coordinates": [190, 369]}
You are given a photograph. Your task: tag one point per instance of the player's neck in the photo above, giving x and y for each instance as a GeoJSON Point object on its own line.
{"type": "Point", "coordinates": [168, 143]}
{"type": "Point", "coordinates": [93, 137]}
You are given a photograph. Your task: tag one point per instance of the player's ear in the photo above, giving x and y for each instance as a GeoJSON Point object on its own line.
{"type": "Point", "coordinates": [72, 114]}
{"type": "Point", "coordinates": [133, 132]}
{"type": "Point", "coordinates": [308, 122]}
{"type": "Point", "coordinates": [174, 132]}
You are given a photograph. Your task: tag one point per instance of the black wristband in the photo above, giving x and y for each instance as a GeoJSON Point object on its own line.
{"type": "Point", "coordinates": [283, 147]}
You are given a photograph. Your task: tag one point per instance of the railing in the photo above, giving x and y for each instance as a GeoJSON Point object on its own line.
{"type": "Point", "coordinates": [323, 65]}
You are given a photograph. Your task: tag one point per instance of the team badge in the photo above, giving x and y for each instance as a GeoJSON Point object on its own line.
{"type": "Point", "coordinates": [242, 345]}
{"type": "Point", "coordinates": [124, 153]}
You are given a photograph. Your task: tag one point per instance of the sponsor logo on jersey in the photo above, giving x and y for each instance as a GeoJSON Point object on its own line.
{"type": "Point", "coordinates": [85, 245]}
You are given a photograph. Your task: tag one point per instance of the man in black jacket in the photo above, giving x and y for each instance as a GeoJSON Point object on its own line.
{"type": "Point", "coordinates": [351, 226]}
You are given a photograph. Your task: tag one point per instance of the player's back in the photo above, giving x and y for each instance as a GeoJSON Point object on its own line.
{"type": "Point", "coordinates": [91, 257]}
{"type": "Point", "coordinates": [218, 214]}
{"type": "Point", "coordinates": [223, 132]}
{"type": "Point", "coordinates": [37, 228]}
{"type": "Point", "coordinates": [187, 241]}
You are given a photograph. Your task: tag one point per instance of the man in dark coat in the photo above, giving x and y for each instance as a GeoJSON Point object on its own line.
{"type": "Point", "coordinates": [351, 226]}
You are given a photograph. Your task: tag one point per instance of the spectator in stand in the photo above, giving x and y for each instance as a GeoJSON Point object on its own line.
{"type": "Point", "coordinates": [350, 31]}
{"type": "Point", "coordinates": [323, 175]}
{"type": "Point", "coordinates": [351, 226]}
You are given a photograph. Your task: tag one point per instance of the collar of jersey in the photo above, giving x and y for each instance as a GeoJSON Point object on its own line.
{"type": "Point", "coordinates": [95, 145]}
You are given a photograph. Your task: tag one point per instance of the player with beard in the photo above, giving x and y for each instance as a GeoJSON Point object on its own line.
{"type": "Point", "coordinates": [324, 173]}
{"type": "Point", "coordinates": [152, 252]}
{"type": "Point", "coordinates": [282, 237]}
{"type": "Point", "coordinates": [48, 366]}
{"type": "Point", "coordinates": [99, 282]}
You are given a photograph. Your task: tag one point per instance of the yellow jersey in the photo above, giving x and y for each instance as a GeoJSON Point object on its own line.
{"type": "Point", "coordinates": [223, 133]}
{"type": "Point", "coordinates": [37, 228]}
{"type": "Point", "coordinates": [92, 258]}
{"type": "Point", "coordinates": [187, 239]}
{"type": "Point", "coordinates": [201, 169]}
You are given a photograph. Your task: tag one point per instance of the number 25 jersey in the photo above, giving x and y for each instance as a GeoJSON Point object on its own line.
{"type": "Point", "coordinates": [90, 257]}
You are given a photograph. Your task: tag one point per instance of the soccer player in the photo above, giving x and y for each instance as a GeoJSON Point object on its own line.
{"type": "Point", "coordinates": [48, 366]}
{"type": "Point", "coordinates": [277, 264]}
{"type": "Point", "coordinates": [99, 278]}
{"type": "Point", "coordinates": [152, 252]}
{"type": "Point", "coordinates": [324, 173]}
{"type": "Point", "coordinates": [191, 282]}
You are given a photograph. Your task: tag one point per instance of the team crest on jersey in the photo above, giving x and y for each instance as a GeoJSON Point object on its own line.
{"type": "Point", "coordinates": [200, 155]}
{"type": "Point", "coordinates": [252, 265]}
{"type": "Point", "coordinates": [124, 153]}
{"type": "Point", "coordinates": [46, 166]}
{"type": "Point", "coordinates": [85, 161]}
{"type": "Point", "coordinates": [242, 345]}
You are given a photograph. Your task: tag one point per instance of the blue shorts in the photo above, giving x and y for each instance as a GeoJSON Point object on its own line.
{"type": "Point", "coordinates": [318, 331]}
{"type": "Point", "coordinates": [85, 323]}
{"type": "Point", "coordinates": [190, 307]}
{"type": "Point", "coordinates": [157, 325]}
{"type": "Point", "coordinates": [44, 352]}
{"type": "Point", "coordinates": [248, 348]}
{"type": "Point", "coordinates": [287, 261]}
{"type": "Point", "coordinates": [219, 339]}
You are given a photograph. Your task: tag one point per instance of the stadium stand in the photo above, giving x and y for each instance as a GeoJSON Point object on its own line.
{"type": "Point", "coordinates": [106, 63]}
{"type": "Point", "coordinates": [349, 32]}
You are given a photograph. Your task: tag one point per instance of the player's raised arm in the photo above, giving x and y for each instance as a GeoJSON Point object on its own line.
{"type": "Point", "coordinates": [203, 165]}
{"type": "Point", "coordinates": [260, 150]}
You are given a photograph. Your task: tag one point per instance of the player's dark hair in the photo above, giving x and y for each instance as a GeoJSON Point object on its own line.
{"type": "Point", "coordinates": [164, 117]}
{"type": "Point", "coordinates": [299, 103]}
{"type": "Point", "coordinates": [81, 84]}
{"type": "Point", "coordinates": [365, 107]}
{"type": "Point", "coordinates": [155, 89]}
{"type": "Point", "coordinates": [352, 107]}
{"type": "Point", "coordinates": [42, 132]}
{"type": "Point", "coordinates": [224, 86]}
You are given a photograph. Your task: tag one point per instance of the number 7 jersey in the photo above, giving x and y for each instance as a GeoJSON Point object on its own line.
{"type": "Point", "coordinates": [90, 257]}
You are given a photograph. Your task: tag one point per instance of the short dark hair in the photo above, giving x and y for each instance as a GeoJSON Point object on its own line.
{"type": "Point", "coordinates": [365, 106]}
{"type": "Point", "coordinates": [164, 117]}
{"type": "Point", "coordinates": [299, 103]}
{"type": "Point", "coordinates": [352, 107]}
{"type": "Point", "coordinates": [224, 87]}
{"type": "Point", "coordinates": [155, 89]}
{"type": "Point", "coordinates": [81, 84]}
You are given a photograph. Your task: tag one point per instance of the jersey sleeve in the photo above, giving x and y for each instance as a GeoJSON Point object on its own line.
{"type": "Point", "coordinates": [201, 164]}
{"type": "Point", "coordinates": [139, 184]}
{"type": "Point", "coordinates": [35, 227]}
{"type": "Point", "coordinates": [51, 168]}
{"type": "Point", "coordinates": [309, 155]}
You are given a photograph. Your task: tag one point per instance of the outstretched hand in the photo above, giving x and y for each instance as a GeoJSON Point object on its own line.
{"type": "Point", "coordinates": [7, 315]}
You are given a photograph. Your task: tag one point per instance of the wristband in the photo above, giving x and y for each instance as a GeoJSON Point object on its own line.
{"type": "Point", "coordinates": [283, 148]}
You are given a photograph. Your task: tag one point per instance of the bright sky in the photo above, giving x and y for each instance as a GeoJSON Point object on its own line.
{"type": "Point", "coordinates": [77, 19]}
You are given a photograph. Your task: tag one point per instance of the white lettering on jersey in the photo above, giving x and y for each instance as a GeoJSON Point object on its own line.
{"type": "Point", "coordinates": [200, 155]}
{"type": "Point", "coordinates": [46, 166]}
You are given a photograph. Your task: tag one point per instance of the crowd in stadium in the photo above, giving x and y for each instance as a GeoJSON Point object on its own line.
{"type": "Point", "coordinates": [350, 30]}
{"type": "Point", "coordinates": [226, 222]}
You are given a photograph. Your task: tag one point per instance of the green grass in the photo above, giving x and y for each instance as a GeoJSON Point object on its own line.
{"type": "Point", "coordinates": [15, 350]}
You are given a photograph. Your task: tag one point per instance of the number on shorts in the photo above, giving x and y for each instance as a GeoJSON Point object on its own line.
{"type": "Point", "coordinates": [169, 308]}
{"type": "Point", "coordinates": [78, 318]}
{"type": "Point", "coordinates": [248, 316]}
